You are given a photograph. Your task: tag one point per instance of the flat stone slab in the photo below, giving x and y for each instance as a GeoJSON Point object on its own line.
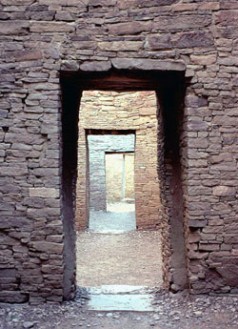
{"type": "Point", "coordinates": [117, 219]}
{"type": "Point", "coordinates": [121, 302]}
{"type": "Point", "coordinates": [118, 289]}
{"type": "Point", "coordinates": [120, 298]}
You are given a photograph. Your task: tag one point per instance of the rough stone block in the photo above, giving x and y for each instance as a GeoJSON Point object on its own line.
{"type": "Point", "coordinates": [224, 191]}
{"type": "Point", "coordinates": [134, 27]}
{"type": "Point", "coordinates": [68, 65]}
{"type": "Point", "coordinates": [48, 247]}
{"type": "Point", "coordinates": [197, 223]}
{"type": "Point", "coordinates": [96, 66]}
{"type": "Point", "coordinates": [179, 22]}
{"type": "Point", "coordinates": [193, 40]}
{"type": "Point", "coordinates": [158, 42]}
{"type": "Point", "coordinates": [229, 274]}
{"type": "Point", "coordinates": [28, 55]}
{"type": "Point", "coordinates": [43, 192]}
{"type": "Point", "coordinates": [7, 222]}
{"type": "Point", "coordinates": [120, 45]}
{"type": "Point", "coordinates": [52, 27]}
{"type": "Point", "coordinates": [148, 64]}
{"type": "Point", "coordinates": [13, 297]}
{"type": "Point", "coordinates": [13, 27]}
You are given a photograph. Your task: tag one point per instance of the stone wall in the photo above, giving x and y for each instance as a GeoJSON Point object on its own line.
{"type": "Point", "coordinates": [119, 112]}
{"type": "Point", "coordinates": [53, 49]}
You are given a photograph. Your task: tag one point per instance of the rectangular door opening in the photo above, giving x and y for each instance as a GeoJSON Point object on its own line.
{"type": "Point", "coordinates": [111, 182]}
{"type": "Point", "coordinates": [123, 215]}
{"type": "Point", "coordinates": [157, 178]}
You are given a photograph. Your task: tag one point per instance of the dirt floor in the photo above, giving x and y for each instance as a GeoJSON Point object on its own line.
{"type": "Point", "coordinates": [131, 258]}
{"type": "Point", "coordinates": [175, 312]}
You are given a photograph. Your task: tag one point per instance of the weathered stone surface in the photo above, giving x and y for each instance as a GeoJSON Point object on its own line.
{"type": "Point", "coordinates": [95, 66]}
{"type": "Point", "coordinates": [13, 297]}
{"type": "Point", "coordinates": [224, 191]}
{"type": "Point", "coordinates": [229, 274]}
{"type": "Point", "coordinates": [197, 223]}
{"type": "Point", "coordinates": [7, 222]}
{"type": "Point", "coordinates": [157, 42]}
{"type": "Point", "coordinates": [48, 247]}
{"type": "Point", "coordinates": [61, 2]}
{"type": "Point", "coordinates": [204, 59]}
{"type": "Point", "coordinates": [142, 64]}
{"type": "Point", "coordinates": [43, 192]}
{"type": "Point", "coordinates": [28, 55]}
{"type": "Point", "coordinates": [228, 5]}
{"type": "Point", "coordinates": [20, 2]}
{"type": "Point", "coordinates": [150, 3]}
{"type": "Point", "coordinates": [178, 22]}
{"type": "Point", "coordinates": [227, 17]}
{"type": "Point", "coordinates": [133, 27]}
{"type": "Point", "coordinates": [52, 27]}
{"type": "Point", "coordinates": [120, 45]}
{"type": "Point", "coordinates": [13, 28]}
{"type": "Point", "coordinates": [192, 40]}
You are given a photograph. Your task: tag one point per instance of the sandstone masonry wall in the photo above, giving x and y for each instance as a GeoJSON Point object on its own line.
{"type": "Point", "coordinates": [115, 112]}
{"type": "Point", "coordinates": [44, 42]}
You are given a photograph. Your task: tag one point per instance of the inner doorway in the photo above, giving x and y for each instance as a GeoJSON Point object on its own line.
{"type": "Point", "coordinates": [123, 195]}
{"type": "Point", "coordinates": [111, 182]}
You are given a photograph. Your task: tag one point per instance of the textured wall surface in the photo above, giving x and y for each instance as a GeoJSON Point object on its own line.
{"type": "Point", "coordinates": [118, 112]}
{"type": "Point", "coordinates": [41, 38]}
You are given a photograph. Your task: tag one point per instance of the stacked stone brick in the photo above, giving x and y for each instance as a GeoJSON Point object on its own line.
{"type": "Point", "coordinates": [39, 39]}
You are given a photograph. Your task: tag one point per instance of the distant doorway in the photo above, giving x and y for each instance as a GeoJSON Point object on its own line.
{"type": "Point", "coordinates": [111, 189]}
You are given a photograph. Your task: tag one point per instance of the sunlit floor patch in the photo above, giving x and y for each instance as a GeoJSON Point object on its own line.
{"type": "Point", "coordinates": [120, 298]}
{"type": "Point", "coordinates": [119, 218]}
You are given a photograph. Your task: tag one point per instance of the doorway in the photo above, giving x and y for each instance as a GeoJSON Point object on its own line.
{"type": "Point", "coordinates": [110, 180]}
{"type": "Point", "coordinates": [168, 118]}
{"type": "Point", "coordinates": [121, 172]}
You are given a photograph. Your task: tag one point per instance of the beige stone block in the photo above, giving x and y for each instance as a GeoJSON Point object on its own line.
{"type": "Point", "coordinates": [48, 247]}
{"type": "Point", "coordinates": [209, 6]}
{"type": "Point", "coordinates": [43, 192]}
{"type": "Point", "coordinates": [184, 7]}
{"type": "Point", "coordinates": [204, 59]}
{"type": "Point", "coordinates": [224, 191]}
{"type": "Point", "coordinates": [16, 27]}
{"type": "Point", "coordinates": [120, 45]}
{"type": "Point", "coordinates": [52, 27]}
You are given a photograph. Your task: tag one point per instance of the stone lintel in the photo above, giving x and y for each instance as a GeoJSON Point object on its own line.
{"type": "Point", "coordinates": [148, 64]}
